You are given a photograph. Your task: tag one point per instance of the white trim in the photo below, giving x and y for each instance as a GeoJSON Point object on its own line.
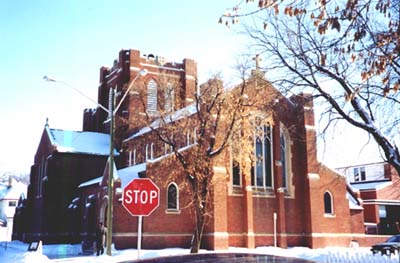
{"type": "Point", "coordinates": [220, 169]}
{"type": "Point", "coordinates": [161, 67]}
{"type": "Point", "coordinates": [110, 80]}
{"type": "Point", "coordinates": [380, 202]}
{"type": "Point", "coordinates": [337, 235]}
{"type": "Point", "coordinates": [190, 77]}
{"type": "Point", "coordinates": [220, 234]}
{"type": "Point", "coordinates": [134, 234]}
{"type": "Point", "coordinates": [310, 127]}
{"type": "Point", "coordinates": [313, 176]}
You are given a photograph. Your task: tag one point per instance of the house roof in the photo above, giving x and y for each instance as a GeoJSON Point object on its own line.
{"type": "Point", "coordinates": [175, 116]}
{"type": "Point", "coordinates": [14, 192]}
{"type": "Point", "coordinates": [376, 185]}
{"type": "Point", "coordinates": [83, 142]}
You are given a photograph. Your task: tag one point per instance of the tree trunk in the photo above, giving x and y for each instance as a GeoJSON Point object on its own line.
{"type": "Point", "coordinates": [198, 232]}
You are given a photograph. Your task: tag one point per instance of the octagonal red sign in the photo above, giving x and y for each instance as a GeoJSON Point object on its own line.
{"type": "Point", "coordinates": [141, 197]}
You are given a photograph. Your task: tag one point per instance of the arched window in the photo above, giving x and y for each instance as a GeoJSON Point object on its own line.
{"type": "Point", "coordinates": [284, 143]}
{"type": "Point", "coordinates": [188, 142]}
{"type": "Point", "coordinates": [130, 158]}
{"type": "Point", "coordinates": [328, 203]}
{"type": "Point", "coordinates": [169, 98]}
{"type": "Point", "coordinates": [194, 136]}
{"type": "Point", "coordinates": [152, 151]}
{"type": "Point", "coordinates": [172, 197]}
{"type": "Point", "coordinates": [134, 157]}
{"type": "Point", "coordinates": [152, 98]}
{"type": "Point", "coordinates": [262, 169]}
{"type": "Point", "coordinates": [147, 152]}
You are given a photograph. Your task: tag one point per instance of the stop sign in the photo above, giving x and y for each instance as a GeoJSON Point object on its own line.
{"type": "Point", "coordinates": [141, 197]}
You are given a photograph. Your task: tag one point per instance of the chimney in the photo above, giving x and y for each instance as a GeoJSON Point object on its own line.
{"type": "Point", "coordinates": [10, 179]}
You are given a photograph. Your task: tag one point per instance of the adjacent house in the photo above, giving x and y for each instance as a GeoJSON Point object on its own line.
{"type": "Point", "coordinates": [11, 194]}
{"type": "Point", "coordinates": [378, 184]}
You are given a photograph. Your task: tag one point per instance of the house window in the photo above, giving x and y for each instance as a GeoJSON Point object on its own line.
{"type": "Point", "coordinates": [12, 203]}
{"type": "Point", "coordinates": [172, 198]}
{"type": "Point", "coordinates": [262, 166]}
{"type": "Point", "coordinates": [152, 98]}
{"type": "Point", "coordinates": [169, 97]}
{"type": "Point", "coordinates": [359, 174]}
{"type": "Point", "coordinates": [328, 203]}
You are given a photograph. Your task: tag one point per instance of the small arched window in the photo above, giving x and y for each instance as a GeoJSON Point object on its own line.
{"type": "Point", "coordinates": [194, 136]}
{"type": "Point", "coordinates": [188, 142]}
{"type": "Point", "coordinates": [173, 197]}
{"type": "Point", "coordinates": [152, 151]}
{"type": "Point", "coordinates": [152, 97]}
{"type": "Point", "coordinates": [147, 152]}
{"type": "Point", "coordinates": [328, 203]}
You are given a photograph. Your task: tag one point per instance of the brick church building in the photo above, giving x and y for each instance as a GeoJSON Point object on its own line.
{"type": "Point", "coordinates": [284, 197]}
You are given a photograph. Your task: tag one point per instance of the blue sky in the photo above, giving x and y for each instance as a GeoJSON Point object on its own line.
{"type": "Point", "coordinates": [71, 40]}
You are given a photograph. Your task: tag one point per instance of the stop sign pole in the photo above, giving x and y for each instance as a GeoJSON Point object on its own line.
{"type": "Point", "coordinates": [140, 198]}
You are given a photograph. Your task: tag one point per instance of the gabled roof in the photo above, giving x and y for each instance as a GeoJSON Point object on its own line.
{"type": "Point", "coordinates": [82, 142]}
{"type": "Point", "coordinates": [14, 192]}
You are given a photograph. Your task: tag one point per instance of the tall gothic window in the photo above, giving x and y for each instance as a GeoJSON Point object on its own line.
{"type": "Point", "coordinates": [152, 98]}
{"type": "Point", "coordinates": [285, 155]}
{"type": "Point", "coordinates": [262, 168]}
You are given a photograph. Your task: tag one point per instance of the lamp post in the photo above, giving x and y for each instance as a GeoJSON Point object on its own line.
{"type": "Point", "coordinates": [111, 112]}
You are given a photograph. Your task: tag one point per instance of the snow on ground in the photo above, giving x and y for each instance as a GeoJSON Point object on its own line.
{"type": "Point", "coordinates": [16, 251]}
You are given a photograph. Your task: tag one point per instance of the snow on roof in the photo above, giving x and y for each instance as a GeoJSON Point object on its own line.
{"type": "Point", "coordinates": [175, 116]}
{"type": "Point", "coordinates": [371, 185]}
{"type": "Point", "coordinates": [129, 173]}
{"type": "Point", "coordinates": [14, 192]}
{"type": "Point", "coordinates": [91, 182]}
{"type": "Point", "coordinates": [80, 142]}
{"type": "Point", "coordinates": [353, 204]}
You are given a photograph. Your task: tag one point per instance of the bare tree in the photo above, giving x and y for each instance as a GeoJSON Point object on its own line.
{"type": "Point", "coordinates": [345, 52]}
{"type": "Point", "coordinates": [216, 116]}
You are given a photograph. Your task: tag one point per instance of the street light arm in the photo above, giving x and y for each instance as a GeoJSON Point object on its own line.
{"type": "Point", "coordinates": [142, 72]}
{"type": "Point", "coordinates": [46, 78]}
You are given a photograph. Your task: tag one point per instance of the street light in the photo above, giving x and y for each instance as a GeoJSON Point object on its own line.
{"type": "Point", "coordinates": [110, 187]}
{"type": "Point", "coordinates": [111, 112]}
